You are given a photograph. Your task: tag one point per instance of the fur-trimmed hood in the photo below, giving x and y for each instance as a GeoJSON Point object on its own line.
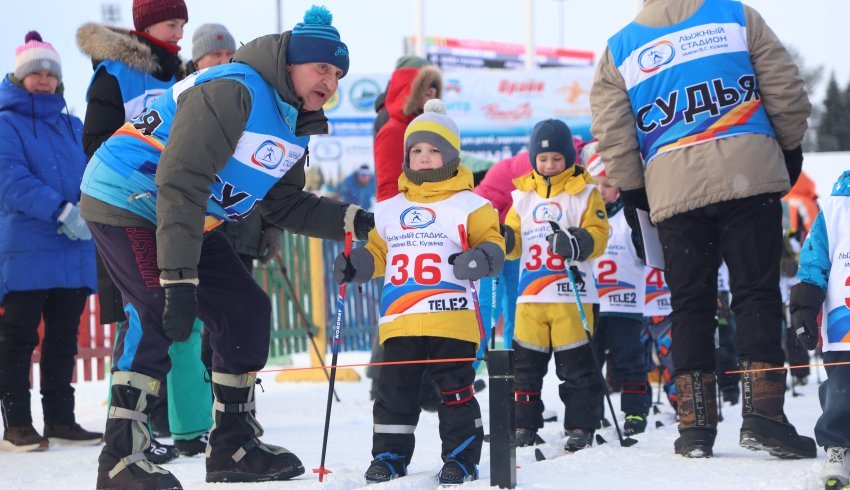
{"type": "Point", "coordinates": [407, 86]}
{"type": "Point", "coordinates": [101, 42]}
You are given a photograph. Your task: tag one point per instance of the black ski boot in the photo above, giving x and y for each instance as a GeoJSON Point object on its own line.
{"type": "Point", "coordinates": [765, 426]}
{"type": "Point", "coordinates": [159, 453]}
{"type": "Point", "coordinates": [122, 463]}
{"type": "Point", "coordinates": [194, 446]}
{"type": "Point", "coordinates": [634, 424]}
{"type": "Point", "coordinates": [527, 437]}
{"type": "Point", "coordinates": [697, 409]}
{"type": "Point", "coordinates": [236, 453]}
{"type": "Point", "coordinates": [385, 467]}
{"type": "Point", "coordinates": [578, 439]}
{"type": "Point", "coordinates": [456, 472]}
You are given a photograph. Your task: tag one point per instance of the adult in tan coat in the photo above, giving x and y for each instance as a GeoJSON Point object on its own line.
{"type": "Point", "coordinates": [700, 112]}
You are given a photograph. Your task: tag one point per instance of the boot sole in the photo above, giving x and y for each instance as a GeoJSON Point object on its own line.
{"type": "Point", "coordinates": [74, 442]}
{"type": "Point", "coordinates": [26, 448]}
{"type": "Point", "coordinates": [242, 477]}
{"type": "Point", "coordinates": [755, 442]}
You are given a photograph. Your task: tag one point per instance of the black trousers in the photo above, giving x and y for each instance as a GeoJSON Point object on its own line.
{"type": "Point", "coordinates": [747, 234]}
{"type": "Point", "coordinates": [580, 388]}
{"type": "Point", "coordinates": [18, 338]}
{"type": "Point", "coordinates": [396, 409]}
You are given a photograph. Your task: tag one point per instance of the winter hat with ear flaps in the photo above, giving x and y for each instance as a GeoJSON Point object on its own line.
{"type": "Point", "coordinates": [316, 41]}
{"type": "Point", "coordinates": [435, 127]}
{"type": "Point", "coordinates": [551, 135]}
{"type": "Point", "coordinates": [36, 55]}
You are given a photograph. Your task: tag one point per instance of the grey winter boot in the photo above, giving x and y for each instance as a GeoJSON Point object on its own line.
{"type": "Point", "coordinates": [122, 462]}
{"type": "Point", "coordinates": [235, 452]}
{"type": "Point", "coordinates": [697, 408]}
{"type": "Point", "coordinates": [765, 426]}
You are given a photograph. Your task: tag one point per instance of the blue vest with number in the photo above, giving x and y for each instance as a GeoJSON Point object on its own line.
{"type": "Point", "coordinates": [138, 89]}
{"type": "Point", "coordinates": [691, 82]}
{"type": "Point", "coordinates": [122, 170]}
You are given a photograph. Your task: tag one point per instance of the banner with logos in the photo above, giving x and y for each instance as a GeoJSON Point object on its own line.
{"type": "Point", "coordinates": [494, 109]}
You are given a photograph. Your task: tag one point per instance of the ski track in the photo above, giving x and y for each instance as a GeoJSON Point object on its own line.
{"type": "Point", "coordinates": [292, 415]}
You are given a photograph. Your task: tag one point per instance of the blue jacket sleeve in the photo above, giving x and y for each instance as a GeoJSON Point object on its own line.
{"type": "Point", "coordinates": [20, 190]}
{"type": "Point", "coordinates": [815, 262]}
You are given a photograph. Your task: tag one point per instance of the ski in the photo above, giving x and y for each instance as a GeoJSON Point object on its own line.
{"type": "Point", "coordinates": [659, 424]}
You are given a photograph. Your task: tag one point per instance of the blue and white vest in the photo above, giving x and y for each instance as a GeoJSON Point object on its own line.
{"type": "Point", "coordinates": [122, 171]}
{"type": "Point", "coordinates": [691, 82]}
{"type": "Point", "coordinates": [138, 89]}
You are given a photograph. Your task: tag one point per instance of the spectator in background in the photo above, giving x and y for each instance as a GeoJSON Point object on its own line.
{"type": "Point", "coordinates": [411, 85]}
{"type": "Point", "coordinates": [47, 261]}
{"type": "Point", "coordinates": [212, 45]}
{"type": "Point", "coordinates": [131, 69]}
{"type": "Point", "coordinates": [358, 188]}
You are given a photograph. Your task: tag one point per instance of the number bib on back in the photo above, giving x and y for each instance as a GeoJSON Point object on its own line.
{"type": "Point", "coordinates": [543, 277]}
{"type": "Point", "coordinates": [420, 238]}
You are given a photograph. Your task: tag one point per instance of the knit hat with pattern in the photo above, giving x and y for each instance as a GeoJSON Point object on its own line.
{"type": "Point", "coordinates": [36, 55]}
{"type": "Point", "coordinates": [316, 41]}
{"type": "Point", "coordinates": [435, 127]}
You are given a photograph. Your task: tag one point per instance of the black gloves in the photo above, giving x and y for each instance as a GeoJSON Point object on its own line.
{"type": "Point", "coordinates": [364, 221]}
{"type": "Point", "coordinates": [269, 243]}
{"type": "Point", "coordinates": [483, 260]}
{"type": "Point", "coordinates": [632, 201]}
{"type": "Point", "coordinates": [181, 308]}
{"type": "Point", "coordinates": [793, 163]}
{"type": "Point", "coordinates": [806, 302]}
{"type": "Point", "coordinates": [508, 234]}
{"type": "Point", "coordinates": [358, 268]}
{"type": "Point", "coordinates": [574, 245]}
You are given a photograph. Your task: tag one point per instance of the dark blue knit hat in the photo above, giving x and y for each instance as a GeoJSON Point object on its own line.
{"type": "Point", "coordinates": [316, 41]}
{"type": "Point", "coordinates": [551, 135]}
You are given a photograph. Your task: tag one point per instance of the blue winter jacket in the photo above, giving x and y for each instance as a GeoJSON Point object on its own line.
{"type": "Point", "coordinates": [41, 166]}
{"type": "Point", "coordinates": [351, 191]}
{"type": "Point", "coordinates": [815, 262]}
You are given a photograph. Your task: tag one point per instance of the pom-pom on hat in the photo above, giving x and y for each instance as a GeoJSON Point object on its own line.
{"type": "Point", "coordinates": [551, 135]}
{"type": "Point", "coordinates": [316, 41]}
{"type": "Point", "coordinates": [592, 161]}
{"type": "Point", "coordinates": [36, 55]}
{"type": "Point", "coordinates": [211, 37]}
{"type": "Point", "coordinates": [149, 12]}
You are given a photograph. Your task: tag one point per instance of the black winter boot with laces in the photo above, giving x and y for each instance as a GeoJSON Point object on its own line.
{"type": "Point", "coordinates": [235, 452]}
{"type": "Point", "coordinates": [386, 467]}
{"type": "Point", "coordinates": [578, 439]}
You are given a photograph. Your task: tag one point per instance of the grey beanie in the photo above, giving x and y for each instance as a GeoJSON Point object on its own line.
{"type": "Point", "coordinates": [211, 37]}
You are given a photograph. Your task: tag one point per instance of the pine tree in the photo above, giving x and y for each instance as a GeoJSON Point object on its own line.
{"type": "Point", "coordinates": [834, 128]}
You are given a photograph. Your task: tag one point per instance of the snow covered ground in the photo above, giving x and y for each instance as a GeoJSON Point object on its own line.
{"type": "Point", "coordinates": [293, 416]}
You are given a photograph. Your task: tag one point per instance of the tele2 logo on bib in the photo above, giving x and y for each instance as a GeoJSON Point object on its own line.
{"type": "Point", "coordinates": [417, 217]}
{"type": "Point", "coordinates": [269, 155]}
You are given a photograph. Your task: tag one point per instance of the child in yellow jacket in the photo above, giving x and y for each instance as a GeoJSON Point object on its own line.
{"type": "Point", "coordinates": [426, 307]}
{"type": "Point", "coordinates": [547, 318]}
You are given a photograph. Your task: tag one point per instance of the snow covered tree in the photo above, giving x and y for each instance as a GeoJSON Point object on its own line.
{"type": "Point", "coordinates": [834, 128]}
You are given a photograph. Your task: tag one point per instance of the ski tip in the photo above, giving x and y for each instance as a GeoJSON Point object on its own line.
{"type": "Point", "coordinates": [659, 424]}
{"type": "Point", "coordinates": [629, 442]}
{"type": "Point", "coordinates": [538, 454]}
{"type": "Point", "coordinates": [600, 440]}
{"type": "Point", "coordinates": [605, 422]}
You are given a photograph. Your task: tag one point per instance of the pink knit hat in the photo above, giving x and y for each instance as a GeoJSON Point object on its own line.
{"type": "Point", "coordinates": [36, 55]}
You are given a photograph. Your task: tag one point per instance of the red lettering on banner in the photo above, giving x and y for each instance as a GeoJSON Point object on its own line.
{"type": "Point", "coordinates": [494, 111]}
{"type": "Point", "coordinates": [528, 87]}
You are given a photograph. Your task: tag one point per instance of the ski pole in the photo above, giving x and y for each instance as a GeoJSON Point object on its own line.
{"type": "Point", "coordinates": [308, 325]}
{"type": "Point", "coordinates": [624, 442]}
{"type": "Point", "coordinates": [461, 230]}
{"type": "Point", "coordinates": [340, 303]}
{"type": "Point", "coordinates": [493, 319]}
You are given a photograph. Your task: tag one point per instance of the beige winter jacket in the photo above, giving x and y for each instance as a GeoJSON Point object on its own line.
{"type": "Point", "coordinates": [715, 171]}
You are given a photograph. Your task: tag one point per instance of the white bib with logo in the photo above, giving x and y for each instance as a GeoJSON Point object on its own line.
{"type": "Point", "coordinates": [657, 294]}
{"type": "Point", "coordinates": [618, 272]}
{"type": "Point", "coordinates": [835, 327]}
{"type": "Point", "coordinates": [420, 238]}
{"type": "Point", "coordinates": [543, 276]}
